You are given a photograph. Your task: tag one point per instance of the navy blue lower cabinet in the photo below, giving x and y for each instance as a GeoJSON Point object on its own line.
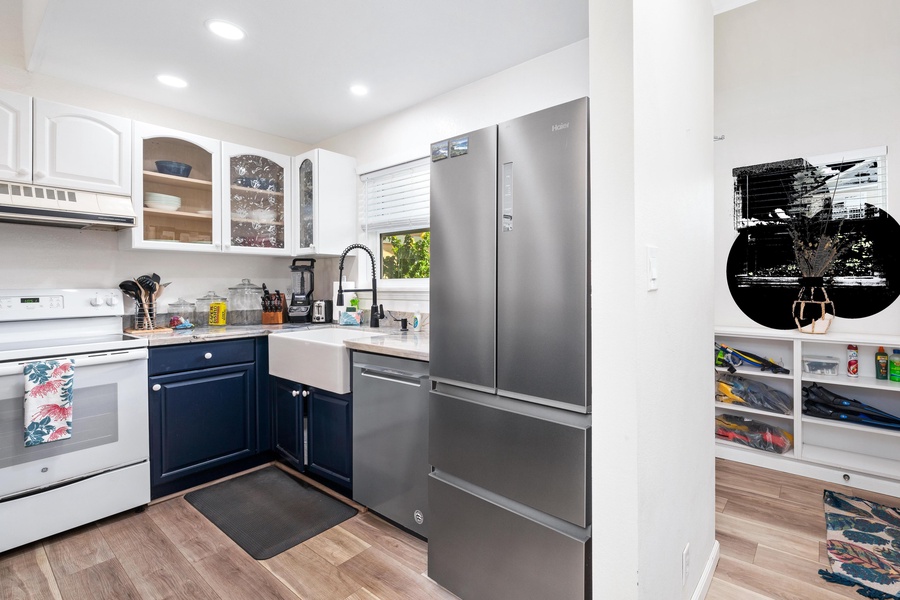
{"type": "Point", "coordinates": [205, 419]}
{"type": "Point", "coordinates": [287, 406]}
{"type": "Point", "coordinates": [330, 436]}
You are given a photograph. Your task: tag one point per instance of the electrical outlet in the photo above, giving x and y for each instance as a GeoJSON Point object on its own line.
{"type": "Point", "coordinates": [685, 564]}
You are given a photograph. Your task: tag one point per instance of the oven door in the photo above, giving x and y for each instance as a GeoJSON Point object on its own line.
{"type": "Point", "coordinates": [109, 423]}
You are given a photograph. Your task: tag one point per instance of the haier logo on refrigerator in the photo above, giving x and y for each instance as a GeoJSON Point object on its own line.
{"type": "Point", "coordinates": [559, 127]}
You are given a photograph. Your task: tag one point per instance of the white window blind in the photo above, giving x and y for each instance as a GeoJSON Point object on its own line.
{"type": "Point", "coordinates": [398, 197]}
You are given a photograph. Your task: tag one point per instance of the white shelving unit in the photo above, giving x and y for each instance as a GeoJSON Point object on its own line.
{"type": "Point", "coordinates": [845, 453]}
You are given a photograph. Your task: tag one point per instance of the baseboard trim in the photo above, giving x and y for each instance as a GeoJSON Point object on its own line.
{"type": "Point", "coordinates": [708, 572]}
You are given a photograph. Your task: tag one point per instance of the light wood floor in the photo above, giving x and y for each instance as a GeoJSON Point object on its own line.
{"type": "Point", "coordinates": [770, 526]}
{"type": "Point", "coordinates": [171, 551]}
{"type": "Point", "coordinates": [771, 531]}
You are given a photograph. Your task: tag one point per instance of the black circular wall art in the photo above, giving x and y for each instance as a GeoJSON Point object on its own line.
{"type": "Point", "coordinates": [764, 281]}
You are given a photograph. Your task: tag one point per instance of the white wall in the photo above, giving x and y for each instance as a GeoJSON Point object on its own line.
{"type": "Point", "coordinates": [548, 80]}
{"type": "Point", "coordinates": [652, 181]}
{"type": "Point", "coordinates": [797, 78]}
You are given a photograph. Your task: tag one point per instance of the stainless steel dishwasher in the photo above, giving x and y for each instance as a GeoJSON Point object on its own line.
{"type": "Point", "coordinates": [390, 438]}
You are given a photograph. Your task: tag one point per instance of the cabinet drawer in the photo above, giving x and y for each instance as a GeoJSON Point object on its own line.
{"type": "Point", "coordinates": [188, 357]}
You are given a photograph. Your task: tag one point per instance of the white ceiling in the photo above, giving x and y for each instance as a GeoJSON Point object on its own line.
{"type": "Point", "coordinates": [291, 75]}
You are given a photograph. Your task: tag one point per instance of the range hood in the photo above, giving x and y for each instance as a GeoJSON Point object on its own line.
{"type": "Point", "coordinates": [38, 205]}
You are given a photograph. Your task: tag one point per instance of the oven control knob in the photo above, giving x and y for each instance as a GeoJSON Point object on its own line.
{"type": "Point", "coordinates": [112, 301]}
{"type": "Point", "coordinates": [96, 301]}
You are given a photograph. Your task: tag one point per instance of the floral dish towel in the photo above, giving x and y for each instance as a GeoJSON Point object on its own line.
{"type": "Point", "coordinates": [48, 400]}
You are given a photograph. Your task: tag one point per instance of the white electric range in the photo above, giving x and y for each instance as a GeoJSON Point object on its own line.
{"type": "Point", "coordinates": [103, 468]}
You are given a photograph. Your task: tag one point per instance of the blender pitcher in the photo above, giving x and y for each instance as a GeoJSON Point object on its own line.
{"type": "Point", "coordinates": [300, 309]}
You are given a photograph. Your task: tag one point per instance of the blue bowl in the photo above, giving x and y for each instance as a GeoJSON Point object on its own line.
{"type": "Point", "coordinates": [170, 167]}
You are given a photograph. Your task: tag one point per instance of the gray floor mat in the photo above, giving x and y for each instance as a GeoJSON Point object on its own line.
{"type": "Point", "coordinates": [268, 511]}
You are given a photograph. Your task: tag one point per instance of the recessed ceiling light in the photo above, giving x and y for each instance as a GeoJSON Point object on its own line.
{"type": "Point", "coordinates": [224, 29]}
{"type": "Point", "coordinates": [171, 80]}
{"type": "Point", "coordinates": [359, 90]}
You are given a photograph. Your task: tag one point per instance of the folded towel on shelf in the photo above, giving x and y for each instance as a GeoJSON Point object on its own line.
{"type": "Point", "coordinates": [48, 400]}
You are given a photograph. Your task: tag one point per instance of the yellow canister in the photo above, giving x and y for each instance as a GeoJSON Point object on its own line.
{"type": "Point", "coordinates": [217, 313]}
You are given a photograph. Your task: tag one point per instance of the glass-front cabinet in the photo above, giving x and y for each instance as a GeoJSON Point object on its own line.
{"type": "Point", "coordinates": [326, 208]}
{"type": "Point", "coordinates": [176, 190]}
{"type": "Point", "coordinates": [256, 216]}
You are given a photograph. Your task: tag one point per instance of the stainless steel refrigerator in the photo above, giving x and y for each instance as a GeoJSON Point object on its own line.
{"type": "Point", "coordinates": [509, 412]}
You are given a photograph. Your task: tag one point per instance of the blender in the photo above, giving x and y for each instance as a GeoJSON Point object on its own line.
{"type": "Point", "coordinates": [300, 309]}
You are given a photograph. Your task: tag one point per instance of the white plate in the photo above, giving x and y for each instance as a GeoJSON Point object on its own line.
{"type": "Point", "coordinates": [165, 207]}
{"type": "Point", "coordinates": [157, 197]}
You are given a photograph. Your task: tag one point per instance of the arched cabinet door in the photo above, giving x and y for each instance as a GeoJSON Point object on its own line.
{"type": "Point", "coordinates": [176, 211]}
{"type": "Point", "coordinates": [15, 136]}
{"type": "Point", "coordinates": [81, 149]}
{"type": "Point", "coordinates": [256, 213]}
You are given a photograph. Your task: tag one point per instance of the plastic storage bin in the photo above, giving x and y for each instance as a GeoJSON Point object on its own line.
{"type": "Point", "coordinates": [820, 365]}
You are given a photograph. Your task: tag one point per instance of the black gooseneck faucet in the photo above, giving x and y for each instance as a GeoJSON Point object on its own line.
{"type": "Point", "coordinates": [377, 310]}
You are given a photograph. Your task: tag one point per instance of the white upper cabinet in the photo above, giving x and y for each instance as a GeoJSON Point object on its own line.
{"type": "Point", "coordinates": [256, 207]}
{"type": "Point", "coordinates": [82, 149]}
{"type": "Point", "coordinates": [15, 137]}
{"type": "Point", "coordinates": [325, 213]}
{"type": "Point", "coordinates": [176, 212]}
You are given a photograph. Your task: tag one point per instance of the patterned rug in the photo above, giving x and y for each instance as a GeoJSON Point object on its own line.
{"type": "Point", "coordinates": [863, 542]}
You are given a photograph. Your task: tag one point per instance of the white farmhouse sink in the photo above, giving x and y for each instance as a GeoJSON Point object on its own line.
{"type": "Point", "coordinates": [315, 357]}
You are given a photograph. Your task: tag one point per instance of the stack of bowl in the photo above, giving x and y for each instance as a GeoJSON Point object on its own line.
{"type": "Point", "coordinates": [158, 201]}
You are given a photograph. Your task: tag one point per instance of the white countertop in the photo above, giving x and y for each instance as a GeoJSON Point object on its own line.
{"type": "Point", "coordinates": [391, 341]}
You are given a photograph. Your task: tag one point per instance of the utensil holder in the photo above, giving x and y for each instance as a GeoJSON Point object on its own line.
{"type": "Point", "coordinates": [145, 320]}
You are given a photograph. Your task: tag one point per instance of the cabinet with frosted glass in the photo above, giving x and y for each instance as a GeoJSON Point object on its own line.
{"type": "Point", "coordinates": [256, 213]}
{"type": "Point", "coordinates": [325, 209]}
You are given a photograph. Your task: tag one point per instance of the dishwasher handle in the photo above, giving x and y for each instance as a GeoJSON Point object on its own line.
{"type": "Point", "coordinates": [393, 375]}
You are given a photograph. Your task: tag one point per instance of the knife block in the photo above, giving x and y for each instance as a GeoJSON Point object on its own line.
{"type": "Point", "coordinates": [276, 317]}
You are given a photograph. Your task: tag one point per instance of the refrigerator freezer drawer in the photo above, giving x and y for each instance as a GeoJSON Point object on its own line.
{"type": "Point", "coordinates": [480, 549]}
{"type": "Point", "coordinates": [532, 454]}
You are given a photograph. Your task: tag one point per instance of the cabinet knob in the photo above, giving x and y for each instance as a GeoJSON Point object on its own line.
{"type": "Point", "coordinates": [39, 174]}
{"type": "Point", "coordinates": [295, 393]}
{"type": "Point", "coordinates": [305, 393]}
{"type": "Point", "coordinates": [208, 355]}
{"type": "Point", "coordinates": [23, 172]}
{"type": "Point", "coordinates": [157, 387]}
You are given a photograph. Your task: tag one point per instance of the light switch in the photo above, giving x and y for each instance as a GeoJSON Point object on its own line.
{"type": "Point", "coordinates": [652, 269]}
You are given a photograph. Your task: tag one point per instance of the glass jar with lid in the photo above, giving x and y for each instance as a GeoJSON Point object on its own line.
{"type": "Point", "coordinates": [203, 305]}
{"type": "Point", "coordinates": [181, 314]}
{"type": "Point", "coordinates": [245, 303]}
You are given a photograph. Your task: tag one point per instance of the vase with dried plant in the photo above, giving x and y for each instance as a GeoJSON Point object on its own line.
{"type": "Point", "coordinates": [817, 242]}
